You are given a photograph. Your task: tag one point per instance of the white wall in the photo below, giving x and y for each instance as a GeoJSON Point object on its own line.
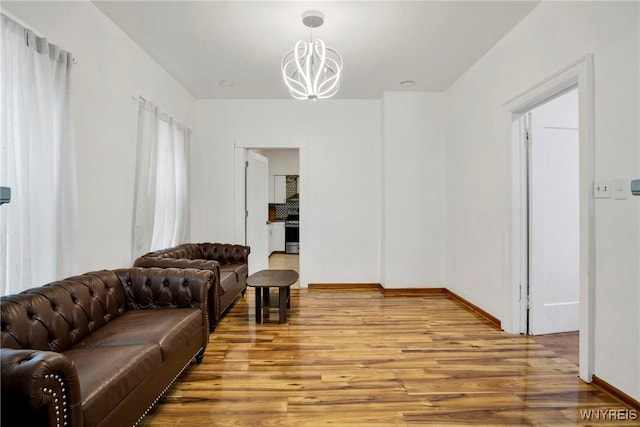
{"type": "Point", "coordinates": [111, 69]}
{"type": "Point", "coordinates": [283, 162]}
{"type": "Point", "coordinates": [340, 169]}
{"type": "Point", "coordinates": [413, 190]}
{"type": "Point", "coordinates": [551, 37]}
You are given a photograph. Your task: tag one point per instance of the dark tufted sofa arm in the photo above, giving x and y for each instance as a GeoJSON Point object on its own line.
{"type": "Point", "coordinates": [159, 288]}
{"type": "Point", "coordinates": [152, 288]}
{"type": "Point", "coordinates": [202, 264]}
{"type": "Point", "coordinates": [222, 258]}
{"type": "Point", "coordinates": [38, 386]}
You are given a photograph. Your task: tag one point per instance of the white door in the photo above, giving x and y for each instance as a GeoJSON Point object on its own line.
{"type": "Point", "coordinates": [554, 235]}
{"type": "Point", "coordinates": [257, 211]}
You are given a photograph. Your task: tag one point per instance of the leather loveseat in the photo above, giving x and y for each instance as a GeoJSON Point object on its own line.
{"type": "Point", "coordinates": [99, 349]}
{"type": "Point", "coordinates": [231, 262]}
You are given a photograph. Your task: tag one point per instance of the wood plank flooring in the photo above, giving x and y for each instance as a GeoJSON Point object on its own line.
{"type": "Point", "coordinates": [565, 344]}
{"type": "Point", "coordinates": [280, 261]}
{"type": "Point", "coordinates": [360, 359]}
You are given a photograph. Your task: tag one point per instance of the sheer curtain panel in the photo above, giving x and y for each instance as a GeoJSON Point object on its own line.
{"type": "Point", "coordinates": [161, 197]}
{"type": "Point", "coordinates": [37, 235]}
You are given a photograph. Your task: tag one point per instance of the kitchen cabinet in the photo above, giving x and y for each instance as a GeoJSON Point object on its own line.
{"type": "Point", "coordinates": [278, 193]}
{"type": "Point", "coordinates": [276, 237]}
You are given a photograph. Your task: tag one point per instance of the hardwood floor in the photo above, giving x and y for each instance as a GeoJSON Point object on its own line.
{"type": "Point", "coordinates": [279, 261]}
{"type": "Point", "coordinates": [565, 344]}
{"type": "Point", "coordinates": [350, 358]}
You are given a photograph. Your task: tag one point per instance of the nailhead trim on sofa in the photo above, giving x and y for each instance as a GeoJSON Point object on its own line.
{"type": "Point", "coordinates": [54, 395]}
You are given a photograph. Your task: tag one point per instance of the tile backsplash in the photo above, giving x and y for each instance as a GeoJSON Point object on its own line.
{"type": "Point", "coordinates": [282, 209]}
{"type": "Point", "coordinates": [292, 185]}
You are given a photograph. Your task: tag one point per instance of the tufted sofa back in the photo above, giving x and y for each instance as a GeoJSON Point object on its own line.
{"type": "Point", "coordinates": [223, 253]}
{"type": "Point", "coordinates": [57, 316]}
{"type": "Point", "coordinates": [185, 251]}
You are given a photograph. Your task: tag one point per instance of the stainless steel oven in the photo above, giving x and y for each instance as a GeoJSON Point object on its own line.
{"type": "Point", "coordinates": [292, 233]}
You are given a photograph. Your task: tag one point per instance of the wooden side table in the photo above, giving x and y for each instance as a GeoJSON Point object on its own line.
{"type": "Point", "coordinates": [265, 279]}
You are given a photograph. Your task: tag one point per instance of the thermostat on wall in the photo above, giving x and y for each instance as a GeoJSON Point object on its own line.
{"type": "Point", "coordinates": [635, 187]}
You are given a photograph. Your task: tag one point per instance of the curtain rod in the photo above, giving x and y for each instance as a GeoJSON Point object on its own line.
{"type": "Point", "coordinates": [162, 112]}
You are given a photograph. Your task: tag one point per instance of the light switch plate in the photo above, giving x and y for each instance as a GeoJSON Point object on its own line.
{"type": "Point", "coordinates": [620, 188]}
{"type": "Point", "coordinates": [602, 189]}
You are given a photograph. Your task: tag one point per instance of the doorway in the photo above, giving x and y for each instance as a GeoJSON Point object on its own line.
{"type": "Point", "coordinates": [249, 204]}
{"type": "Point", "coordinates": [285, 207]}
{"type": "Point", "coordinates": [578, 75]}
{"type": "Point", "coordinates": [553, 215]}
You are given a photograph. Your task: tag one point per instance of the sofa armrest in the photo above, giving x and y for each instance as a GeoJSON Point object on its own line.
{"type": "Point", "coordinates": [155, 287]}
{"type": "Point", "coordinates": [39, 387]}
{"type": "Point", "coordinates": [169, 288]}
{"type": "Point", "coordinates": [204, 264]}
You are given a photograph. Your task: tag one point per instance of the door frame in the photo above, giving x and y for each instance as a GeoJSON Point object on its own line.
{"type": "Point", "coordinates": [579, 74]}
{"type": "Point", "coordinates": [241, 149]}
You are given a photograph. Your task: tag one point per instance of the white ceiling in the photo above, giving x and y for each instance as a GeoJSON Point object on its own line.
{"type": "Point", "coordinates": [201, 43]}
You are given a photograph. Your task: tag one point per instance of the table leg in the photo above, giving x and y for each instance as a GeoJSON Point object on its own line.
{"type": "Point", "coordinates": [258, 304]}
{"type": "Point", "coordinates": [282, 294]}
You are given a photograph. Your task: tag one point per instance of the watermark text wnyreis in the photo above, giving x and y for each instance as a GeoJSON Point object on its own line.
{"type": "Point", "coordinates": [608, 414]}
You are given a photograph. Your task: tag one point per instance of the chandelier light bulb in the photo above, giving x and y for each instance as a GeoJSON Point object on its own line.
{"type": "Point", "coordinates": [312, 70]}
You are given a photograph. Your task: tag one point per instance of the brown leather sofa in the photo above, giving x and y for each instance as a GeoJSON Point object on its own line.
{"type": "Point", "coordinates": [231, 262]}
{"type": "Point", "coordinates": [99, 349]}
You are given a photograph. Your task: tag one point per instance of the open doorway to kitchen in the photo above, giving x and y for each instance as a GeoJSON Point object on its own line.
{"type": "Point", "coordinates": [578, 75]}
{"type": "Point", "coordinates": [284, 206]}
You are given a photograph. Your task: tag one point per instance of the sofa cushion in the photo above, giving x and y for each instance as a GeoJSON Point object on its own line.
{"type": "Point", "coordinates": [171, 329]}
{"type": "Point", "coordinates": [108, 374]}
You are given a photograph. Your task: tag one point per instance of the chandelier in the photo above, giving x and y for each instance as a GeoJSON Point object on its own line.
{"type": "Point", "coordinates": [312, 70]}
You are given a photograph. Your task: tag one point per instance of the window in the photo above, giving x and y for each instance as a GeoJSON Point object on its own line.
{"type": "Point", "coordinates": [37, 161]}
{"type": "Point", "coordinates": [161, 207]}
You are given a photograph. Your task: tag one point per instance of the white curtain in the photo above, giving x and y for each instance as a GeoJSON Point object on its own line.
{"type": "Point", "coordinates": [37, 234]}
{"type": "Point", "coordinates": [161, 216]}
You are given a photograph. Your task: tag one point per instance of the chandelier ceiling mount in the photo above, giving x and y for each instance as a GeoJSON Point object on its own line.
{"type": "Point", "coordinates": [313, 19]}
